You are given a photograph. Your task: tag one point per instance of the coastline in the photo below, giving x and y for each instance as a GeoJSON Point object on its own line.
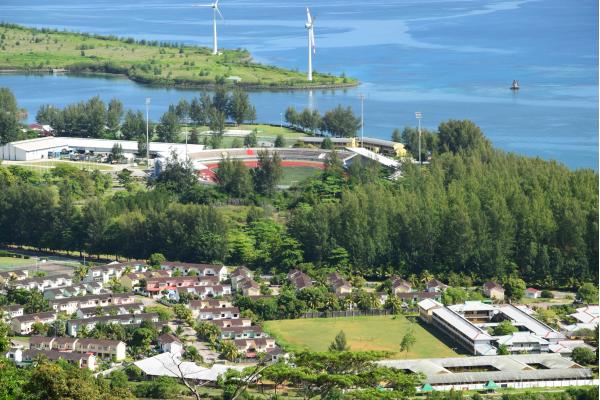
{"type": "Point", "coordinates": [178, 84]}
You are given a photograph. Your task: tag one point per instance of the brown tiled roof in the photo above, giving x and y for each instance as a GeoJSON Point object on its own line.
{"type": "Point", "coordinates": [168, 338]}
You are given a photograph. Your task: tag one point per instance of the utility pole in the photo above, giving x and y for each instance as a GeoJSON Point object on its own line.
{"type": "Point", "coordinates": [147, 133]}
{"type": "Point", "coordinates": [419, 115]}
{"type": "Point", "coordinates": [362, 119]}
{"type": "Point", "coordinates": [186, 149]}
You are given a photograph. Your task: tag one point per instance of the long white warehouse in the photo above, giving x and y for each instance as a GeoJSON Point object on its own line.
{"type": "Point", "coordinates": [50, 147]}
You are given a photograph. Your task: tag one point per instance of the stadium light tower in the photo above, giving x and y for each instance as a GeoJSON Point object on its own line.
{"type": "Point", "coordinates": [148, 99]}
{"type": "Point", "coordinates": [419, 115]}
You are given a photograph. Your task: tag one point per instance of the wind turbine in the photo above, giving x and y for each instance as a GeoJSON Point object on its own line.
{"type": "Point", "coordinates": [215, 7]}
{"type": "Point", "coordinates": [311, 42]}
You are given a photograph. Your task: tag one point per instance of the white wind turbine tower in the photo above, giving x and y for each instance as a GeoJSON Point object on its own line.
{"type": "Point", "coordinates": [311, 42]}
{"type": "Point", "coordinates": [215, 7]}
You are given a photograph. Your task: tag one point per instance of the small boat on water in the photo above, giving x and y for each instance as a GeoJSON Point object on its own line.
{"type": "Point", "coordinates": [515, 85]}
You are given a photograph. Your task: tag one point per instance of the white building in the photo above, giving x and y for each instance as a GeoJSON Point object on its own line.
{"type": "Point", "coordinates": [169, 343]}
{"type": "Point", "coordinates": [523, 342]}
{"type": "Point", "coordinates": [51, 147]}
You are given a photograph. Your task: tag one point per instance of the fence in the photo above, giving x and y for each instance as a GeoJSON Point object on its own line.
{"type": "Point", "coordinates": [349, 313]}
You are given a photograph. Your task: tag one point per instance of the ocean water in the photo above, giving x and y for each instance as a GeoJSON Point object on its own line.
{"type": "Point", "coordinates": [445, 58]}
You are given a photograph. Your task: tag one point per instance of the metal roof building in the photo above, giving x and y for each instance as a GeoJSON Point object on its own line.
{"type": "Point", "coordinates": [516, 371]}
{"type": "Point", "coordinates": [41, 148]}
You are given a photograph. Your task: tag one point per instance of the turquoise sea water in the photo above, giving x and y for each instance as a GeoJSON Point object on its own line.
{"type": "Point", "coordinates": [445, 58]}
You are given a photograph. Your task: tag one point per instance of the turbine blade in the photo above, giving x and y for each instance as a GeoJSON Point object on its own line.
{"type": "Point", "coordinates": [217, 3]}
{"type": "Point", "coordinates": [219, 11]}
{"type": "Point", "coordinates": [308, 16]}
{"type": "Point", "coordinates": [312, 40]}
{"type": "Point", "coordinates": [201, 5]}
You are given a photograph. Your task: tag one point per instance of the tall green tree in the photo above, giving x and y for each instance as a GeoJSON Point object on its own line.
{"type": "Point", "coordinates": [234, 178]}
{"type": "Point", "coordinates": [9, 120]}
{"type": "Point", "coordinates": [339, 343]}
{"type": "Point", "coordinates": [240, 107]}
{"type": "Point", "coordinates": [168, 129]}
{"type": "Point", "coordinates": [340, 122]}
{"type": "Point", "coordinates": [267, 173]}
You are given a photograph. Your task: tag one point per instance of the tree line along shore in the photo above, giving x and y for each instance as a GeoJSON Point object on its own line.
{"type": "Point", "coordinates": [148, 62]}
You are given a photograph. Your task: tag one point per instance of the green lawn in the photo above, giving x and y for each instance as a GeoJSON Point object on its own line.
{"type": "Point", "coordinates": [267, 133]}
{"type": "Point", "coordinates": [188, 66]}
{"type": "Point", "coordinates": [362, 333]}
{"type": "Point", "coordinates": [293, 175]}
{"type": "Point", "coordinates": [11, 262]}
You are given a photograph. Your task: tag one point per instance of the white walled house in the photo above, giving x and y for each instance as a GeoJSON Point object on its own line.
{"type": "Point", "coordinates": [169, 343]}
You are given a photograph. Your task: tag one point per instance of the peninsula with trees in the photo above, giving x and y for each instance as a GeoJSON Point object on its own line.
{"type": "Point", "coordinates": [150, 62]}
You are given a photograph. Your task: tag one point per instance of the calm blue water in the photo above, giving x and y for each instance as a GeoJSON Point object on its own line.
{"type": "Point", "coordinates": [446, 58]}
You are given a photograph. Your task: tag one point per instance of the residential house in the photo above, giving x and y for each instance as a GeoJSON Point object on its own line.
{"type": "Point", "coordinates": [218, 270]}
{"type": "Point", "coordinates": [196, 305]}
{"type": "Point", "coordinates": [158, 287]}
{"type": "Point", "coordinates": [72, 304]}
{"type": "Point", "coordinates": [433, 285]}
{"type": "Point", "coordinates": [11, 311]}
{"type": "Point", "coordinates": [242, 332]}
{"type": "Point", "coordinates": [41, 283]}
{"type": "Point", "coordinates": [135, 280]}
{"type": "Point", "coordinates": [75, 290]}
{"type": "Point", "coordinates": [169, 343]}
{"type": "Point", "coordinates": [248, 287]}
{"type": "Point", "coordinates": [105, 273]}
{"type": "Point", "coordinates": [102, 348]}
{"type": "Point", "coordinates": [414, 297]}
{"type": "Point", "coordinates": [493, 290]}
{"type": "Point", "coordinates": [228, 323]}
{"type": "Point", "coordinates": [41, 129]}
{"type": "Point", "coordinates": [41, 342]}
{"type": "Point", "coordinates": [75, 325]}
{"type": "Point", "coordinates": [17, 275]}
{"type": "Point", "coordinates": [339, 284]}
{"type": "Point", "coordinates": [23, 325]}
{"type": "Point", "coordinates": [239, 274]}
{"type": "Point", "coordinates": [81, 360]}
{"type": "Point", "coordinates": [119, 309]}
{"type": "Point", "coordinates": [299, 279]}
{"type": "Point", "coordinates": [218, 313]}
{"type": "Point", "coordinates": [399, 285]}
{"type": "Point", "coordinates": [251, 347]}
{"type": "Point", "coordinates": [533, 293]}
{"type": "Point", "coordinates": [200, 292]}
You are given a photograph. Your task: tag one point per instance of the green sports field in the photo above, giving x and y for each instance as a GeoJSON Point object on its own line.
{"type": "Point", "coordinates": [362, 333]}
{"type": "Point", "coordinates": [7, 263]}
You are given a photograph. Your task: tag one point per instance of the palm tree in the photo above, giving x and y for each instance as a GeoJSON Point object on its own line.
{"type": "Point", "coordinates": [229, 350]}
{"type": "Point", "coordinates": [81, 271]}
{"type": "Point", "coordinates": [413, 280]}
{"type": "Point", "coordinates": [426, 276]}
{"type": "Point", "coordinates": [393, 304]}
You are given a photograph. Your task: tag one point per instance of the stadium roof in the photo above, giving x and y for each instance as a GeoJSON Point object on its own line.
{"type": "Point", "coordinates": [383, 160]}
